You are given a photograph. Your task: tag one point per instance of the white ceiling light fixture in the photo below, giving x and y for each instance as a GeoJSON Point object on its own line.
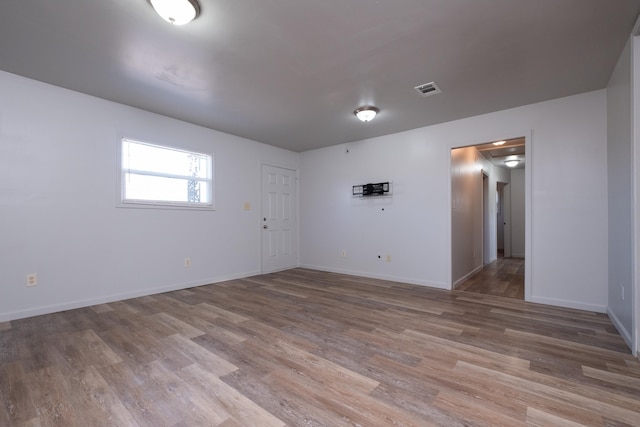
{"type": "Point", "coordinates": [512, 163]}
{"type": "Point", "coordinates": [498, 143]}
{"type": "Point", "coordinates": [177, 12]}
{"type": "Point", "coordinates": [366, 113]}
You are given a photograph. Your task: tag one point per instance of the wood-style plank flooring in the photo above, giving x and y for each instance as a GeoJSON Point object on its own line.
{"type": "Point", "coordinates": [308, 348]}
{"type": "Point", "coordinates": [502, 278]}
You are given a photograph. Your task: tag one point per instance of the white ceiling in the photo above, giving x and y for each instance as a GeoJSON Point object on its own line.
{"type": "Point", "coordinates": [290, 73]}
{"type": "Point", "coordinates": [513, 149]}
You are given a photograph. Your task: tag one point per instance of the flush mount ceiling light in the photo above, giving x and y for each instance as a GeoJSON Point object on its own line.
{"type": "Point", "coordinates": [176, 12]}
{"type": "Point", "coordinates": [498, 143]}
{"type": "Point", "coordinates": [366, 113]}
{"type": "Point", "coordinates": [512, 163]}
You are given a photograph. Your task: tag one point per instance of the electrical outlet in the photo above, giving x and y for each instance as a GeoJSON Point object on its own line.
{"type": "Point", "coordinates": [32, 279]}
{"type": "Point", "coordinates": [187, 262]}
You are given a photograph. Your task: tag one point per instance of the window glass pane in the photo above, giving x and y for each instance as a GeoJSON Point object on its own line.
{"type": "Point", "coordinates": [143, 157]}
{"type": "Point", "coordinates": [154, 175]}
{"type": "Point", "coordinates": [158, 188]}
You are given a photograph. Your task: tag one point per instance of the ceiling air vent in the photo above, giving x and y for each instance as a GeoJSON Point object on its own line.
{"type": "Point", "coordinates": [428, 89]}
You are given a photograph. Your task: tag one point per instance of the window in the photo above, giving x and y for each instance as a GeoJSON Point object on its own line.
{"type": "Point", "coordinates": [152, 175]}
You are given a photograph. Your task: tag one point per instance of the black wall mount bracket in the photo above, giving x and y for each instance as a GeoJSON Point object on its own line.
{"type": "Point", "coordinates": [367, 190]}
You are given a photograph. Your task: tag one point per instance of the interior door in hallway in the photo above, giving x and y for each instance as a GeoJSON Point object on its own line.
{"type": "Point", "coordinates": [503, 226]}
{"type": "Point", "coordinates": [279, 219]}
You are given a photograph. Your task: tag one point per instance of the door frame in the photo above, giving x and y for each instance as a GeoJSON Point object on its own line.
{"type": "Point", "coordinates": [506, 216]}
{"type": "Point", "coordinates": [528, 205]}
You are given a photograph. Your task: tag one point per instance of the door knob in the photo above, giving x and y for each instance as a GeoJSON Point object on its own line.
{"type": "Point", "coordinates": [265, 226]}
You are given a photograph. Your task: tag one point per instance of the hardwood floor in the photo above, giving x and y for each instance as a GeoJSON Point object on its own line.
{"type": "Point", "coordinates": [504, 278]}
{"type": "Point", "coordinates": [307, 348]}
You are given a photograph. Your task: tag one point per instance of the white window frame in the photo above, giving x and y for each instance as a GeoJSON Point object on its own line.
{"type": "Point", "coordinates": [122, 201]}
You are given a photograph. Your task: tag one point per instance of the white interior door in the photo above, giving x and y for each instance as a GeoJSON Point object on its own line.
{"type": "Point", "coordinates": [279, 219]}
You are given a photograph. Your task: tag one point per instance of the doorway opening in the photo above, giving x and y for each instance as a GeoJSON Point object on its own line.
{"type": "Point", "coordinates": [488, 218]}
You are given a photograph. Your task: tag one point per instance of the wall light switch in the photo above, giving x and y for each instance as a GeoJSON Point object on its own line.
{"type": "Point", "coordinates": [32, 279]}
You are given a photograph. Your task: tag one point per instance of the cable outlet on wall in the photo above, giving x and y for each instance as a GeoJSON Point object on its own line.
{"type": "Point", "coordinates": [32, 279]}
{"type": "Point", "coordinates": [187, 262]}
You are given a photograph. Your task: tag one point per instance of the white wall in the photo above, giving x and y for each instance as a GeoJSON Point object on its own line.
{"type": "Point", "coordinates": [635, 124]}
{"type": "Point", "coordinates": [517, 213]}
{"type": "Point", "coordinates": [467, 228]}
{"type": "Point", "coordinates": [493, 173]}
{"type": "Point", "coordinates": [619, 176]}
{"type": "Point", "coordinates": [58, 193]}
{"type": "Point", "coordinates": [466, 215]}
{"type": "Point", "coordinates": [58, 204]}
{"type": "Point", "coordinates": [568, 260]}
{"type": "Point", "coordinates": [502, 175]}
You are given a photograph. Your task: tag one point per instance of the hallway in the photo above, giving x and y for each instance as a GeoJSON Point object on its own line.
{"type": "Point", "coordinates": [503, 277]}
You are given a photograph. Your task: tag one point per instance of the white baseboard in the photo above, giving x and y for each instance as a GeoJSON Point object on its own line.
{"type": "Point", "coordinates": [466, 276]}
{"type": "Point", "coordinates": [578, 305]}
{"type": "Point", "coordinates": [70, 305]}
{"type": "Point", "coordinates": [411, 281]}
{"type": "Point", "coordinates": [621, 329]}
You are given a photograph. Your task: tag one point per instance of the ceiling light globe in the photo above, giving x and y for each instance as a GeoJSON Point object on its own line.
{"type": "Point", "coordinates": [366, 114]}
{"type": "Point", "coordinates": [512, 163]}
{"type": "Point", "coordinates": [176, 12]}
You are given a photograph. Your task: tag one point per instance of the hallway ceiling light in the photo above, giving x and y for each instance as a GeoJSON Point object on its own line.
{"type": "Point", "coordinates": [498, 143]}
{"type": "Point", "coordinates": [512, 163]}
{"type": "Point", "coordinates": [176, 12]}
{"type": "Point", "coordinates": [366, 113]}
